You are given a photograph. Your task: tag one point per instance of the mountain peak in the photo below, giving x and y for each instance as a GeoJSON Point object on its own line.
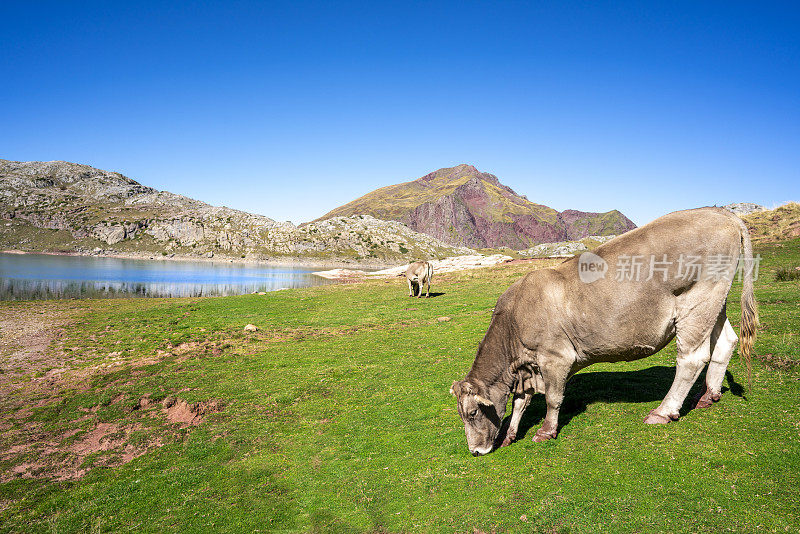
{"type": "Point", "coordinates": [463, 206]}
{"type": "Point", "coordinates": [450, 173]}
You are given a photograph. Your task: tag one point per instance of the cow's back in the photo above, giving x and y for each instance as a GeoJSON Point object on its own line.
{"type": "Point", "coordinates": [625, 315]}
{"type": "Point", "coordinates": [417, 271]}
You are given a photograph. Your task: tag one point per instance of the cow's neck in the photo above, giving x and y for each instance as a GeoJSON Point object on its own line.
{"type": "Point", "coordinates": [493, 367]}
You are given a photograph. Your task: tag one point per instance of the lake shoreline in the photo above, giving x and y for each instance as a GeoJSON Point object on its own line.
{"type": "Point", "coordinates": [278, 261]}
{"type": "Point", "coordinates": [46, 276]}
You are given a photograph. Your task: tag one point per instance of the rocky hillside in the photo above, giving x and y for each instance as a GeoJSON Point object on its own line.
{"type": "Point", "coordinates": [463, 206]}
{"type": "Point", "coordinates": [61, 206]}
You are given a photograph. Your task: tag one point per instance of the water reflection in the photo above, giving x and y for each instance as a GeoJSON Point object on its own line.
{"type": "Point", "coordinates": [41, 276]}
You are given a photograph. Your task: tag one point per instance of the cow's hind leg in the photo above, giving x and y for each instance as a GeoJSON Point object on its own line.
{"type": "Point", "coordinates": [723, 341]}
{"type": "Point", "coordinates": [410, 289]}
{"type": "Point", "coordinates": [520, 403]}
{"type": "Point", "coordinates": [690, 365]}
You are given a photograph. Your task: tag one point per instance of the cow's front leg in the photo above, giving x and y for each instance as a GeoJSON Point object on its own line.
{"type": "Point", "coordinates": [520, 403]}
{"type": "Point", "coordinates": [554, 397]}
{"type": "Point", "coordinates": [555, 374]}
{"type": "Point", "coordinates": [410, 289]}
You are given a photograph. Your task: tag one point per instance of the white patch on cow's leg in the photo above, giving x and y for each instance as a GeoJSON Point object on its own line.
{"type": "Point", "coordinates": [721, 354]}
{"type": "Point", "coordinates": [688, 368]}
{"type": "Point", "coordinates": [519, 404]}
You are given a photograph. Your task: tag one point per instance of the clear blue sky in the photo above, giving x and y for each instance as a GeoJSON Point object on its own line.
{"type": "Point", "coordinates": [291, 109]}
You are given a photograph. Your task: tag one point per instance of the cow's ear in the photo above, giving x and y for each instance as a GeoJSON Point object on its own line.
{"type": "Point", "coordinates": [482, 400]}
{"type": "Point", "coordinates": [455, 389]}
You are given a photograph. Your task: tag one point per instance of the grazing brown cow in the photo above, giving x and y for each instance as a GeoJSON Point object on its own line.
{"type": "Point", "coordinates": [418, 274]}
{"type": "Point", "coordinates": [671, 279]}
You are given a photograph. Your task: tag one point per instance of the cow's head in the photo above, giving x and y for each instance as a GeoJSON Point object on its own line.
{"type": "Point", "coordinates": [482, 412]}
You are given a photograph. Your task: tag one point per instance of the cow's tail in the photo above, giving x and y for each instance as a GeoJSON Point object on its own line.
{"type": "Point", "coordinates": [749, 322]}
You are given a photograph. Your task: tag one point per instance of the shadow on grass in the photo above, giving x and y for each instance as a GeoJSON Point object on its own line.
{"type": "Point", "coordinates": [642, 386]}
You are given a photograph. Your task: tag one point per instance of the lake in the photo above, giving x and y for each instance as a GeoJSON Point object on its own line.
{"type": "Point", "coordinates": [44, 276]}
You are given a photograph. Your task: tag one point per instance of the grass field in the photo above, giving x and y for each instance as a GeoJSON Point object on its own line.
{"type": "Point", "coordinates": [164, 415]}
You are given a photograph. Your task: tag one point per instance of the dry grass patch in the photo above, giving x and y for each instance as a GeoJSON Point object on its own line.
{"type": "Point", "coordinates": [778, 224]}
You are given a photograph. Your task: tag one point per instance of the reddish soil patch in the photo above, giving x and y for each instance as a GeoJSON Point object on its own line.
{"type": "Point", "coordinates": [60, 458]}
{"type": "Point", "coordinates": [179, 411]}
{"type": "Point", "coordinates": [35, 372]}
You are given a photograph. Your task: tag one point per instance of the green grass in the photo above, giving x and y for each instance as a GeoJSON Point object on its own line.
{"type": "Point", "coordinates": [337, 417]}
{"type": "Point", "coordinates": [784, 274]}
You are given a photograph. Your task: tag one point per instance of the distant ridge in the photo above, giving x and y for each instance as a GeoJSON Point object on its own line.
{"type": "Point", "coordinates": [465, 207]}
{"type": "Point", "coordinates": [58, 206]}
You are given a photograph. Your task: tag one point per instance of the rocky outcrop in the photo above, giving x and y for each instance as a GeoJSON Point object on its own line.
{"type": "Point", "coordinates": [96, 209]}
{"type": "Point", "coordinates": [565, 248]}
{"type": "Point", "coordinates": [744, 208]}
{"type": "Point", "coordinates": [463, 206]}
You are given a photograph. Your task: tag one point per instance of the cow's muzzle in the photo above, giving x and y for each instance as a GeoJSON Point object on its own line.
{"type": "Point", "coordinates": [479, 452]}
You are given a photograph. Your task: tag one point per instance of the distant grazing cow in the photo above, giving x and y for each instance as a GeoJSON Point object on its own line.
{"type": "Point", "coordinates": [418, 274]}
{"type": "Point", "coordinates": [622, 302]}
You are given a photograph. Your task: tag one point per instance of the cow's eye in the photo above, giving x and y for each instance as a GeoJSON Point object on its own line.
{"type": "Point", "coordinates": [473, 413]}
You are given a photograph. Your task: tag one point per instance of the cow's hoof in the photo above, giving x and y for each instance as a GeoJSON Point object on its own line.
{"type": "Point", "coordinates": [707, 400]}
{"type": "Point", "coordinates": [658, 419]}
{"type": "Point", "coordinates": [509, 439]}
{"type": "Point", "coordinates": [704, 402]}
{"type": "Point", "coordinates": [542, 435]}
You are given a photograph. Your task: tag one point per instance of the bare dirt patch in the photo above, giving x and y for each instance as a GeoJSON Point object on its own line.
{"type": "Point", "coordinates": [26, 337]}
{"type": "Point", "coordinates": [36, 372]}
{"type": "Point", "coordinates": [179, 411]}
{"type": "Point", "coordinates": [71, 453]}
{"type": "Point", "coordinates": [61, 457]}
